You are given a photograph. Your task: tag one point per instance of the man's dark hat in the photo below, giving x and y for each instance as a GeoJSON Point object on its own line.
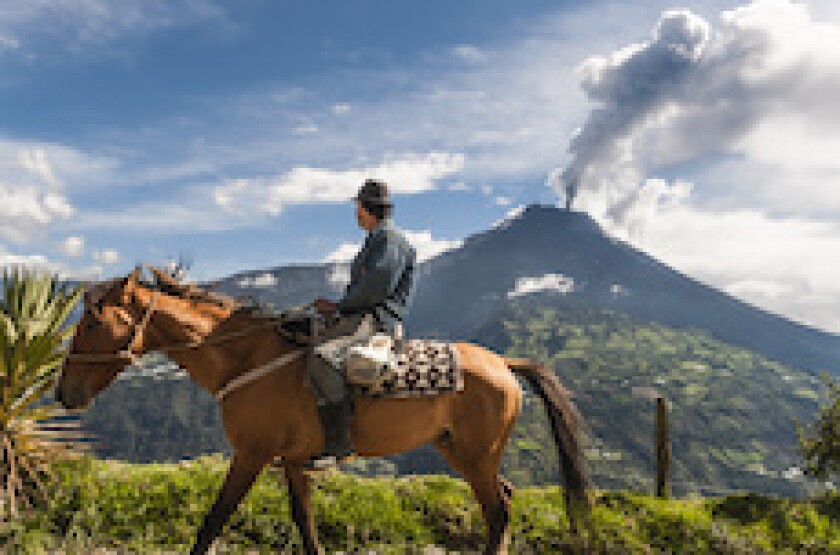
{"type": "Point", "coordinates": [374, 191]}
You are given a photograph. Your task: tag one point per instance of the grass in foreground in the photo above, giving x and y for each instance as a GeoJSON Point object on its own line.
{"type": "Point", "coordinates": [158, 508]}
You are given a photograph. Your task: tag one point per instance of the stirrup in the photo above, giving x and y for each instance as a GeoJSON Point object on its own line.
{"type": "Point", "coordinates": [325, 461]}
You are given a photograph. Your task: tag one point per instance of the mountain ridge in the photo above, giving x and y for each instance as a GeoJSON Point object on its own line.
{"type": "Point", "coordinates": [459, 289]}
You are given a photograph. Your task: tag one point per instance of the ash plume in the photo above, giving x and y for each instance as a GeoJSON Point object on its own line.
{"type": "Point", "coordinates": [629, 87]}
{"type": "Point", "coordinates": [691, 95]}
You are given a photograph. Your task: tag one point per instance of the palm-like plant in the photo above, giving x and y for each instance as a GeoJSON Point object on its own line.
{"type": "Point", "coordinates": [34, 334]}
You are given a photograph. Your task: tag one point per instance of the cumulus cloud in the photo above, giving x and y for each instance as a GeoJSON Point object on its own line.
{"type": "Point", "coordinates": [786, 265]}
{"type": "Point", "coordinates": [35, 178]}
{"type": "Point", "coordinates": [509, 216]}
{"type": "Point", "coordinates": [763, 82]}
{"type": "Point", "coordinates": [426, 247]}
{"type": "Point", "coordinates": [8, 259]}
{"type": "Point", "coordinates": [106, 256]}
{"type": "Point", "coordinates": [405, 175]}
{"type": "Point", "coordinates": [27, 210]}
{"type": "Point", "coordinates": [40, 262]}
{"type": "Point", "coordinates": [345, 252]}
{"type": "Point", "coordinates": [548, 282]}
{"type": "Point", "coordinates": [261, 281]}
{"type": "Point", "coordinates": [73, 246]}
{"type": "Point", "coordinates": [745, 112]}
{"type": "Point", "coordinates": [35, 160]}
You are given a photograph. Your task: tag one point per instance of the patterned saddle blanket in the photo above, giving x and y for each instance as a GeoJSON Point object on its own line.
{"type": "Point", "coordinates": [424, 367]}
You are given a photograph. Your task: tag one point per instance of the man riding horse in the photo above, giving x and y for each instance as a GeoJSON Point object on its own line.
{"type": "Point", "coordinates": [380, 289]}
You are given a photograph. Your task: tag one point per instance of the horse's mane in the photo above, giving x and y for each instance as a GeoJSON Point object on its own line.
{"type": "Point", "coordinates": [240, 304]}
{"type": "Point", "coordinates": [190, 291]}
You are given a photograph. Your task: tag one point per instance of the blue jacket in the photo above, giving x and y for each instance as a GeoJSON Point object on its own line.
{"type": "Point", "coordinates": [381, 277]}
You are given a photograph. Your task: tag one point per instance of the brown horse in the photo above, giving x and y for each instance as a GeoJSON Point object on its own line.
{"type": "Point", "coordinates": [269, 412]}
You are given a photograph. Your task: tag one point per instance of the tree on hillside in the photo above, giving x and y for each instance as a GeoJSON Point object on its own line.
{"type": "Point", "coordinates": [34, 335]}
{"type": "Point", "coordinates": [820, 446]}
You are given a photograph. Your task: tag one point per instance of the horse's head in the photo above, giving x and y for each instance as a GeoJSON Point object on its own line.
{"type": "Point", "coordinates": [109, 336]}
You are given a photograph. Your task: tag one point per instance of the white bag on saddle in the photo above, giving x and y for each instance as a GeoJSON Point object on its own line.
{"type": "Point", "coordinates": [367, 358]}
{"type": "Point", "coordinates": [371, 363]}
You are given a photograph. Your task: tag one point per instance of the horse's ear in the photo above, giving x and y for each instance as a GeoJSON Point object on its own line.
{"type": "Point", "coordinates": [164, 278]}
{"type": "Point", "coordinates": [133, 278]}
{"type": "Point", "coordinates": [130, 282]}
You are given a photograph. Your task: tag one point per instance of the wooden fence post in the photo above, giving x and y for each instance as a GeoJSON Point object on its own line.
{"type": "Point", "coordinates": [663, 449]}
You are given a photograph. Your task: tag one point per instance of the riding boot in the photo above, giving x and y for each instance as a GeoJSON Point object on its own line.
{"type": "Point", "coordinates": [335, 421]}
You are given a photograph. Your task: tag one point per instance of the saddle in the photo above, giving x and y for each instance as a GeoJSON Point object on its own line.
{"type": "Point", "coordinates": [377, 364]}
{"type": "Point", "coordinates": [422, 367]}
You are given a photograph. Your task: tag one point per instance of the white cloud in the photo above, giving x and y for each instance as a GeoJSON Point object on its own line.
{"type": "Point", "coordinates": [9, 43]}
{"type": "Point", "coordinates": [34, 178]}
{"type": "Point", "coordinates": [26, 211]}
{"type": "Point", "coordinates": [106, 256]}
{"type": "Point", "coordinates": [760, 90]}
{"type": "Point", "coordinates": [53, 166]}
{"type": "Point", "coordinates": [548, 282]}
{"type": "Point", "coordinates": [35, 160]}
{"type": "Point", "coordinates": [747, 113]}
{"type": "Point", "coordinates": [73, 246]}
{"type": "Point", "coordinates": [786, 265]}
{"type": "Point", "coordinates": [341, 109]}
{"type": "Point", "coordinates": [503, 201]}
{"type": "Point", "coordinates": [57, 27]}
{"type": "Point", "coordinates": [459, 186]}
{"type": "Point", "coordinates": [426, 247]}
{"type": "Point", "coordinates": [260, 281]}
{"type": "Point", "coordinates": [345, 252]}
{"type": "Point", "coordinates": [42, 263]}
{"type": "Point", "coordinates": [469, 53]}
{"type": "Point", "coordinates": [508, 120]}
{"type": "Point", "coordinates": [305, 129]}
{"type": "Point", "coordinates": [302, 185]}
{"type": "Point", "coordinates": [30, 260]}
{"type": "Point", "coordinates": [509, 216]}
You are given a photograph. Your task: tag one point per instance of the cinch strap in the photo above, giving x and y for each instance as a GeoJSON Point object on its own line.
{"type": "Point", "coordinates": [256, 373]}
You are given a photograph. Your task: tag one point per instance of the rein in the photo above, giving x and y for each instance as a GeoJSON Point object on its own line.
{"type": "Point", "coordinates": [127, 353]}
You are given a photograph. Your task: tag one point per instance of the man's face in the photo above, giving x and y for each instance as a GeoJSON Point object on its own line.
{"type": "Point", "coordinates": [363, 217]}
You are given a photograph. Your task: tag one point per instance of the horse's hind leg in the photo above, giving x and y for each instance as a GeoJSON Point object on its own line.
{"type": "Point", "coordinates": [241, 475]}
{"type": "Point", "coordinates": [300, 488]}
{"type": "Point", "coordinates": [492, 492]}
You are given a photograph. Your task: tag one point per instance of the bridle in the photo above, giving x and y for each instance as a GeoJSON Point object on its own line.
{"type": "Point", "coordinates": [128, 352]}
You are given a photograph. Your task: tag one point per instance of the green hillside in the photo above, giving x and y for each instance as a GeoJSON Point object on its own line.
{"type": "Point", "coordinates": [157, 508]}
{"type": "Point", "coordinates": [732, 418]}
{"type": "Point", "coordinates": [733, 411]}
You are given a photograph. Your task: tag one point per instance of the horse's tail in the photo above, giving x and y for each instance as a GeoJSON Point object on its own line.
{"type": "Point", "coordinates": [566, 424]}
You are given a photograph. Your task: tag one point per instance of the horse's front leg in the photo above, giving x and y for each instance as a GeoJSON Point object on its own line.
{"type": "Point", "coordinates": [242, 473]}
{"type": "Point", "coordinates": [300, 488]}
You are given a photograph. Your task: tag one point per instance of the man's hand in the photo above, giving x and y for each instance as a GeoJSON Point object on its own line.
{"type": "Point", "coordinates": [325, 307]}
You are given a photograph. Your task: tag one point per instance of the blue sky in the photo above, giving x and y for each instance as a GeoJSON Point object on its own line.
{"type": "Point", "coordinates": [236, 133]}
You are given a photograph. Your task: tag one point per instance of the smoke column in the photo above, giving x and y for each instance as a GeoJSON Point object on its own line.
{"type": "Point", "coordinates": [629, 87]}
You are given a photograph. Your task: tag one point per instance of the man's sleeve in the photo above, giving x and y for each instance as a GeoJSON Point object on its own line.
{"type": "Point", "coordinates": [383, 267]}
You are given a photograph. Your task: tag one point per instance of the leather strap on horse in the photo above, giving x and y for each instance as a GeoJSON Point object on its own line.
{"type": "Point", "coordinates": [126, 353]}
{"type": "Point", "coordinates": [256, 373]}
